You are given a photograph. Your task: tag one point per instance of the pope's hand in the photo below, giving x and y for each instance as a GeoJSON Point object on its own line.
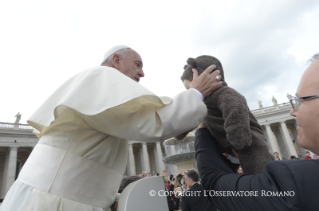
{"type": "Point", "coordinates": [207, 82]}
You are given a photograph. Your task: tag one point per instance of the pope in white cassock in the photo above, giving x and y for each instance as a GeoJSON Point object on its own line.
{"type": "Point", "coordinates": [84, 126]}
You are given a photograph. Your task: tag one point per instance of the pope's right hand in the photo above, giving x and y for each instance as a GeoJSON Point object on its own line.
{"type": "Point", "coordinates": [207, 82]}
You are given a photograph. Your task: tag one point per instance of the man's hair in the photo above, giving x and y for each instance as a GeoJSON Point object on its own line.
{"type": "Point", "coordinates": [276, 152]}
{"type": "Point", "coordinates": [192, 174]}
{"type": "Point", "coordinates": [125, 182]}
{"type": "Point", "coordinates": [121, 52]}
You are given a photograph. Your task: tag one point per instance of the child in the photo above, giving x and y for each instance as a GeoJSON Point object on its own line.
{"type": "Point", "coordinates": [230, 121]}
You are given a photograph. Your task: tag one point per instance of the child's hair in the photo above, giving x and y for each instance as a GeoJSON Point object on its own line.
{"type": "Point", "coordinates": [201, 63]}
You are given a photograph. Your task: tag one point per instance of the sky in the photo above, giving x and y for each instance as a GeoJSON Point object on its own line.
{"type": "Point", "coordinates": [264, 46]}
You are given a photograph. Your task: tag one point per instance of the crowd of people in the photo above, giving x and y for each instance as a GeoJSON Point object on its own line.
{"type": "Point", "coordinates": [292, 157]}
{"type": "Point", "coordinates": [177, 186]}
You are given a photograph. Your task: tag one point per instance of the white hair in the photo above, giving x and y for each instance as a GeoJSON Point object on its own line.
{"type": "Point", "coordinates": [314, 58]}
{"type": "Point", "coordinates": [121, 53]}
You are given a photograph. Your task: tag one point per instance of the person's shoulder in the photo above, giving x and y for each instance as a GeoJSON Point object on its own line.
{"type": "Point", "coordinates": [100, 68]}
{"type": "Point", "coordinates": [296, 167]}
{"type": "Point", "coordinates": [186, 194]}
{"type": "Point", "coordinates": [228, 92]}
{"type": "Point", "coordinates": [195, 187]}
{"type": "Point", "coordinates": [300, 176]}
{"type": "Point", "coordinates": [294, 162]}
{"type": "Point", "coordinates": [104, 72]}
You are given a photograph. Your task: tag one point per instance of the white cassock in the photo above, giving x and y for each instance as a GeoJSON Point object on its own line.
{"type": "Point", "coordinates": [80, 159]}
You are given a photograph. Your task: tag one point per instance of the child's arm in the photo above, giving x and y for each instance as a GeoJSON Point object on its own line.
{"type": "Point", "coordinates": [236, 115]}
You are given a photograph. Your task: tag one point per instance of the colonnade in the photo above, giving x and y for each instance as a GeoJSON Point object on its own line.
{"type": "Point", "coordinates": [11, 161]}
{"type": "Point", "coordinates": [144, 157]}
{"type": "Point", "coordinates": [282, 138]}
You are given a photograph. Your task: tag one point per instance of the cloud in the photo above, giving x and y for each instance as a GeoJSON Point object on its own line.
{"type": "Point", "coordinates": [263, 46]}
{"type": "Point", "coordinates": [258, 44]}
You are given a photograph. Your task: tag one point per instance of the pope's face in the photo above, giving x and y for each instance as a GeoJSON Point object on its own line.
{"type": "Point", "coordinates": [131, 65]}
{"type": "Point", "coordinates": [308, 113]}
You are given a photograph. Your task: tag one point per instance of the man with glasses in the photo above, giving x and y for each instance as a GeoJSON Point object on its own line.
{"type": "Point", "coordinates": [283, 185]}
{"type": "Point", "coordinates": [306, 107]}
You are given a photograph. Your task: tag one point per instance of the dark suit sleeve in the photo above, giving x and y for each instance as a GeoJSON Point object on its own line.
{"type": "Point", "coordinates": [278, 177]}
{"type": "Point", "coordinates": [184, 204]}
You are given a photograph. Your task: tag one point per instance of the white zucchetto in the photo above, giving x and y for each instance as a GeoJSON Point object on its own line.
{"type": "Point", "coordinates": [113, 50]}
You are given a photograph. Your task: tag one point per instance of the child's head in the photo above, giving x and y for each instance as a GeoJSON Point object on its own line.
{"type": "Point", "coordinates": [200, 64]}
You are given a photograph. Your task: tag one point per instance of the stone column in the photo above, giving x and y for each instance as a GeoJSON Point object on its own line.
{"type": "Point", "coordinates": [2, 166]}
{"type": "Point", "coordinates": [294, 132]}
{"type": "Point", "coordinates": [12, 167]}
{"type": "Point", "coordinates": [131, 160]}
{"type": "Point", "coordinates": [268, 141]}
{"type": "Point", "coordinates": [157, 168]}
{"type": "Point", "coordinates": [273, 142]}
{"type": "Point", "coordinates": [141, 158]}
{"type": "Point", "coordinates": [152, 158]}
{"type": "Point", "coordinates": [173, 151]}
{"type": "Point", "coordinates": [126, 173]}
{"type": "Point", "coordinates": [5, 171]}
{"type": "Point", "coordinates": [159, 157]}
{"type": "Point", "coordinates": [287, 138]}
{"type": "Point", "coordinates": [146, 158]}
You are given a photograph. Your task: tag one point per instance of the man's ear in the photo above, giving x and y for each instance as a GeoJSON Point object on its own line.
{"type": "Point", "coordinates": [115, 205]}
{"type": "Point", "coordinates": [116, 61]}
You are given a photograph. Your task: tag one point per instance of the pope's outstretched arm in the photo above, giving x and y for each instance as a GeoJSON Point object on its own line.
{"type": "Point", "coordinates": [112, 103]}
{"type": "Point", "coordinates": [144, 120]}
{"type": "Point", "coordinates": [141, 120]}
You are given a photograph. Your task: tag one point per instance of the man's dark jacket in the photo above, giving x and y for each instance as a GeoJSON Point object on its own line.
{"type": "Point", "coordinates": [299, 178]}
{"type": "Point", "coordinates": [197, 202]}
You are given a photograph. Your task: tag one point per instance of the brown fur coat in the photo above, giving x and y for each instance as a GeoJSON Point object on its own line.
{"type": "Point", "coordinates": [230, 121]}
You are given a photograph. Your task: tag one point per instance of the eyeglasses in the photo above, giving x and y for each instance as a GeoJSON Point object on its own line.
{"type": "Point", "coordinates": [295, 101]}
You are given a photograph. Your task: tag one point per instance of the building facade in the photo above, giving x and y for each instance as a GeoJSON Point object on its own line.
{"type": "Point", "coordinates": [280, 129]}
{"type": "Point", "coordinates": [17, 142]}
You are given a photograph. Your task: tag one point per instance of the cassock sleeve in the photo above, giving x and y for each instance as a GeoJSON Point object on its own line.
{"type": "Point", "coordinates": [140, 119]}
{"type": "Point", "coordinates": [265, 191]}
